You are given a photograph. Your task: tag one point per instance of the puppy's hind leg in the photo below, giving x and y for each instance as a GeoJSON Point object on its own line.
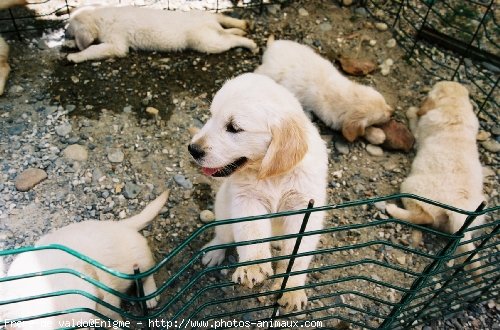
{"type": "Point", "coordinates": [230, 22]}
{"type": "Point", "coordinates": [418, 217]}
{"type": "Point", "coordinates": [217, 41]}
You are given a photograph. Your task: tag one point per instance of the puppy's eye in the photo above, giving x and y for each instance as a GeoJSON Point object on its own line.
{"type": "Point", "coordinates": [232, 128]}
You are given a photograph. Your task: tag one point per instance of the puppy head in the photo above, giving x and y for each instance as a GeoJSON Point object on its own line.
{"type": "Point", "coordinates": [256, 126]}
{"type": "Point", "coordinates": [448, 104]}
{"type": "Point", "coordinates": [368, 108]}
{"type": "Point", "coordinates": [82, 27]}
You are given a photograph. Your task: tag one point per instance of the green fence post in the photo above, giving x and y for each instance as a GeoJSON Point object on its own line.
{"type": "Point", "coordinates": [140, 294]}
{"type": "Point", "coordinates": [424, 276]}
{"type": "Point", "coordinates": [292, 259]}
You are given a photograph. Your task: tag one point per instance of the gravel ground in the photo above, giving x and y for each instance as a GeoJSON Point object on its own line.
{"type": "Point", "coordinates": [101, 155]}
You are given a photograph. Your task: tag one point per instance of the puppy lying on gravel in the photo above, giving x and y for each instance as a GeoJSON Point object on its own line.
{"type": "Point", "coordinates": [446, 167]}
{"type": "Point", "coordinates": [115, 244]}
{"type": "Point", "coordinates": [120, 28]}
{"type": "Point", "coordinates": [339, 102]}
{"type": "Point", "coordinates": [4, 47]}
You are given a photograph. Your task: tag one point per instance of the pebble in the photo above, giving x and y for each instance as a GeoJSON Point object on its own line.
{"type": "Point", "coordinates": [116, 156]}
{"type": "Point", "coordinates": [347, 2]}
{"type": "Point", "coordinates": [64, 129]}
{"type": "Point", "coordinates": [152, 111]}
{"type": "Point", "coordinates": [361, 11]}
{"type": "Point", "coordinates": [182, 181]}
{"type": "Point", "coordinates": [207, 216]}
{"type": "Point", "coordinates": [16, 90]}
{"type": "Point", "coordinates": [131, 190]}
{"type": "Point", "coordinates": [325, 27]}
{"type": "Point", "coordinates": [380, 205]}
{"type": "Point", "coordinates": [76, 152]}
{"type": "Point", "coordinates": [381, 26]}
{"type": "Point", "coordinates": [496, 130]}
{"type": "Point", "coordinates": [30, 178]}
{"type": "Point", "coordinates": [483, 135]}
{"type": "Point", "coordinates": [487, 172]}
{"type": "Point", "coordinates": [273, 9]}
{"type": "Point", "coordinates": [391, 43]}
{"type": "Point", "coordinates": [127, 109]}
{"type": "Point", "coordinates": [372, 42]}
{"type": "Point", "coordinates": [342, 147]}
{"type": "Point", "coordinates": [491, 145]}
{"type": "Point", "coordinates": [374, 150]}
{"type": "Point", "coordinates": [385, 67]}
{"type": "Point", "coordinates": [303, 12]}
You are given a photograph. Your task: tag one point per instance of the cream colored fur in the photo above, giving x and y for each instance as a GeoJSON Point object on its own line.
{"type": "Point", "coordinates": [446, 167]}
{"type": "Point", "coordinates": [115, 244]}
{"type": "Point", "coordinates": [287, 166]}
{"type": "Point", "coordinates": [119, 28]}
{"type": "Point", "coordinates": [4, 47]}
{"type": "Point", "coordinates": [339, 102]}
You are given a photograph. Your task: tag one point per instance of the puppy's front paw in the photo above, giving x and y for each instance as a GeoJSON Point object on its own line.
{"type": "Point", "coordinates": [153, 302]}
{"type": "Point", "coordinates": [391, 209]}
{"type": "Point", "coordinates": [411, 113]}
{"type": "Point", "coordinates": [293, 300]}
{"type": "Point", "coordinates": [253, 274]}
{"type": "Point", "coordinates": [74, 58]}
{"type": "Point", "coordinates": [213, 258]}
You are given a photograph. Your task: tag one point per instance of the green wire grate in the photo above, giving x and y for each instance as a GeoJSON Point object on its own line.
{"type": "Point", "coordinates": [194, 297]}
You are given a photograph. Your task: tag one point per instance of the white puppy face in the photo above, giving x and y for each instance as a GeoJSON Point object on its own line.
{"type": "Point", "coordinates": [255, 125]}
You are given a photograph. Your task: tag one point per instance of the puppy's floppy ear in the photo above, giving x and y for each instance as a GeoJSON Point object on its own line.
{"type": "Point", "coordinates": [428, 105]}
{"type": "Point", "coordinates": [287, 148]}
{"type": "Point", "coordinates": [83, 38]}
{"type": "Point", "coordinates": [352, 128]}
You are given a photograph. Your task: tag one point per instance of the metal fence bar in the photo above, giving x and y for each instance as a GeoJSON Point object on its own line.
{"type": "Point", "coordinates": [291, 261]}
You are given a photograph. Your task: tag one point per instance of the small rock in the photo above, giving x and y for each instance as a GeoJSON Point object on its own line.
{"type": "Point", "coordinates": [342, 147]}
{"type": "Point", "coordinates": [491, 146]}
{"type": "Point", "coordinates": [75, 79]}
{"type": "Point", "coordinates": [131, 190]}
{"type": "Point", "coordinates": [182, 181]}
{"type": "Point", "coordinates": [207, 216]}
{"type": "Point", "coordinates": [385, 67]}
{"type": "Point", "coordinates": [487, 172]}
{"type": "Point", "coordinates": [361, 11]}
{"type": "Point", "coordinates": [116, 156]}
{"type": "Point", "coordinates": [152, 111]}
{"type": "Point", "coordinates": [397, 136]}
{"type": "Point", "coordinates": [483, 135]}
{"type": "Point", "coordinates": [372, 42]}
{"type": "Point", "coordinates": [337, 174]}
{"type": "Point", "coordinates": [391, 43]}
{"type": "Point", "coordinates": [127, 109]}
{"type": "Point", "coordinates": [374, 150]}
{"type": "Point", "coordinates": [347, 2]}
{"type": "Point", "coordinates": [380, 205]}
{"type": "Point", "coordinates": [495, 130]}
{"type": "Point", "coordinates": [401, 260]}
{"type": "Point", "coordinates": [76, 152]}
{"type": "Point", "coordinates": [381, 26]}
{"type": "Point", "coordinates": [325, 27]}
{"type": "Point", "coordinates": [357, 67]}
{"type": "Point", "coordinates": [16, 90]}
{"type": "Point", "coordinates": [30, 178]}
{"type": "Point", "coordinates": [64, 129]}
{"type": "Point", "coordinates": [303, 12]}
{"type": "Point", "coordinates": [273, 9]}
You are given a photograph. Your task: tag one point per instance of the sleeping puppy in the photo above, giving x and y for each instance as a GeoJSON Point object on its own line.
{"type": "Point", "coordinates": [4, 47]}
{"type": "Point", "coordinates": [120, 28]}
{"type": "Point", "coordinates": [272, 159]}
{"type": "Point", "coordinates": [340, 103]}
{"type": "Point", "coordinates": [115, 244]}
{"type": "Point", "coordinates": [446, 167]}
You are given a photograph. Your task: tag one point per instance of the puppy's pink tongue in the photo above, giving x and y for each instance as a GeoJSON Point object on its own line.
{"type": "Point", "coordinates": [209, 171]}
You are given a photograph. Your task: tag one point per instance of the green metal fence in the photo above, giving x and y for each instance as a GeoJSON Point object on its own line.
{"type": "Point", "coordinates": [365, 275]}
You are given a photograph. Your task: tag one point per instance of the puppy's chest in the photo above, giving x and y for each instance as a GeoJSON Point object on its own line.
{"type": "Point", "coordinates": [273, 198]}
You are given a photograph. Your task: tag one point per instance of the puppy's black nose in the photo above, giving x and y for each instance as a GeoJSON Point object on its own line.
{"type": "Point", "coordinates": [196, 151]}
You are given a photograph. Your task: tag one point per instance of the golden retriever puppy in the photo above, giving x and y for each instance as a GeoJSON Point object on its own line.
{"type": "Point", "coordinates": [446, 167]}
{"type": "Point", "coordinates": [272, 159]}
{"type": "Point", "coordinates": [120, 28]}
{"type": "Point", "coordinates": [4, 47]}
{"type": "Point", "coordinates": [339, 102]}
{"type": "Point", "coordinates": [115, 244]}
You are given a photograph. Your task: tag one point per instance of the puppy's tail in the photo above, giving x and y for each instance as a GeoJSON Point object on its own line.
{"type": "Point", "coordinates": [270, 40]}
{"type": "Point", "coordinates": [147, 215]}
